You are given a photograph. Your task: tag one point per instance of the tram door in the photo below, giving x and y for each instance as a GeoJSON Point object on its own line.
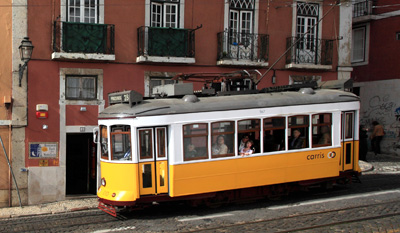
{"type": "Point", "coordinates": [153, 160]}
{"type": "Point", "coordinates": [347, 140]}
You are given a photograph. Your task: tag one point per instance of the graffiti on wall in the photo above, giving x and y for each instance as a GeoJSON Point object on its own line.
{"type": "Point", "coordinates": [383, 110]}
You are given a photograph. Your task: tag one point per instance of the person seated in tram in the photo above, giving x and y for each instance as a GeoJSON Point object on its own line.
{"type": "Point", "coordinates": [243, 142]}
{"type": "Point", "coordinates": [295, 141]}
{"type": "Point", "coordinates": [191, 151]}
{"type": "Point", "coordinates": [219, 148]}
{"type": "Point", "coordinates": [248, 149]}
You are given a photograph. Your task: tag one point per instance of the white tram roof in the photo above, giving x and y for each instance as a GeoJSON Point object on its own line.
{"type": "Point", "coordinates": [192, 104]}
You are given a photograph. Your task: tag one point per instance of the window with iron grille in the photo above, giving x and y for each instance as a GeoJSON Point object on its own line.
{"type": "Point", "coordinates": [81, 87]}
{"type": "Point", "coordinates": [83, 11]}
{"type": "Point", "coordinates": [164, 13]}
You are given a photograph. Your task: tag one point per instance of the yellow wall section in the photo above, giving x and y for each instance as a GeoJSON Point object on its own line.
{"type": "Point", "coordinates": [253, 171]}
{"type": "Point", "coordinates": [121, 179]}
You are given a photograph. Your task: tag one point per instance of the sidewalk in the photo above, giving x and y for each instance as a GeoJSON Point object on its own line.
{"type": "Point", "coordinates": [50, 208]}
{"type": "Point", "coordinates": [383, 162]}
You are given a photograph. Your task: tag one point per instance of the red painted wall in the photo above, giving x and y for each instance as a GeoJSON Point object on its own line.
{"type": "Point", "coordinates": [383, 61]}
{"type": "Point", "coordinates": [275, 19]}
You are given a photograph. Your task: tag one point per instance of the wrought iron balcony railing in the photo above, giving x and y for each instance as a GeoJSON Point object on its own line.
{"type": "Point", "coordinates": [71, 37]}
{"type": "Point", "coordinates": [243, 46]}
{"type": "Point", "coordinates": [166, 42]}
{"type": "Point", "coordinates": [309, 50]}
{"type": "Point", "coordinates": [362, 8]}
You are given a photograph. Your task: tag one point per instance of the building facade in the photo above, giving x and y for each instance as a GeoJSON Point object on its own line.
{"type": "Point", "coordinates": [84, 50]}
{"type": "Point", "coordinates": [375, 48]}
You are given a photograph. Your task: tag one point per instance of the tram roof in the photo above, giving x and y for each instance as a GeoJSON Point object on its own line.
{"type": "Point", "coordinates": [192, 104]}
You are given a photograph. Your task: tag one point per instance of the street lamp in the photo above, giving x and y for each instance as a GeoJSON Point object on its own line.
{"type": "Point", "coordinates": [25, 52]}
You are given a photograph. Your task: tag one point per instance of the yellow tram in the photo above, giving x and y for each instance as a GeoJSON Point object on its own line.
{"type": "Point", "coordinates": [188, 148]}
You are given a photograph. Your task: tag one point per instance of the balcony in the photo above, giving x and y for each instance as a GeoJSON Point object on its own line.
{"type": "Point", "coordinates": [243, 49]}
{"type": "Point", "coordinates": [362, 8]}
{"type": "Point", "coordinates": [309, 53]}
{"type": "Point", "coordinates": [83, 41]}
{"type": "Point", "coordinates": [170, 45]}
{"type": "Point", "coordinates": [362, 11]}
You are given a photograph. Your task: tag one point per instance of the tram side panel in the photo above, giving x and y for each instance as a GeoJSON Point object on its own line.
{"type": "Point", "coordinates": [253, 171]}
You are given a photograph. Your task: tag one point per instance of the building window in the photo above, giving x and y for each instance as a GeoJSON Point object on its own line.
{"type": "Point", "coordinates": [83, 11]}
{"type": "Point", "coordinates": [159, 81]}
{"type": "Point", "coordinates": [358, 48]}
{"type": "Point", "coordinates": [241, 21]}
{"type": "Point", "coordinates": [306, 31]}
{"type": "Point", "coordinates": [164, 13]}
{"type": "Point", "coordinates": [397, 35]}
{"type": "Point", "coordinates": [81, 87]}
{"type": "Point", "coordinates": [303, 79]}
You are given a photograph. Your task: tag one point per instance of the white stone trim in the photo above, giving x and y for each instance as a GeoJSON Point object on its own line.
{"type": "Point", "coordinates": [184, 60]}
{"type": "Point", "coordinates": [83, 56]}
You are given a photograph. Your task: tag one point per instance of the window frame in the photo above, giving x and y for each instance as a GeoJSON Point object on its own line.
{"type": "Point", "coordinates": [163, 5]}
{"type": "Point", "coordinates": [319, 126]}
{"type": "Point", "coordinates": [104, 151]}
{"type": "Point", "coordinates": [305, 126]}
{"type": "Point", "coordinates": [139, 141]}
{"type": "Point", "coordinates": [272, 129]}
{"type": "Point", "coordinates": [217, 134]}
{"type": "Point", "coordinates": [363, 34]}
{"type": "Point", "coordinates": [248, 131]}
{"type": "Point", "coordinates": [81, 89]}
{"type": "Point", "coordinates": [82, 9]}
{"type": "Point", "coordinates": [122, 130]}
{"type": "Point", "coordinates": [190, 136]}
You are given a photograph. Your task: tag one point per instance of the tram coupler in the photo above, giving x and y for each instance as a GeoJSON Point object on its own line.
{"type": "Point", "coordinates": [109, 209]}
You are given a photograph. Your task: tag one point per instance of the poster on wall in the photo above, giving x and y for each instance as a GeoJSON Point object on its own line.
{"type": "Point", "coordinates": [43, 150]}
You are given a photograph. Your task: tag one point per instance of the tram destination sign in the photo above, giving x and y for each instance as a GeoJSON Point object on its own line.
{"type": "Point", "coordinates": [127, 97]}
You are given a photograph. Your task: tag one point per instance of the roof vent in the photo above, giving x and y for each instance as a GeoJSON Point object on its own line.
{"type": "Point", "coordinates": [307, 90]}
{"type": "Point", "coordinates": [190, 98]}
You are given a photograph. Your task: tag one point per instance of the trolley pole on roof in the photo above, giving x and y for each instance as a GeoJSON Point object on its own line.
{"type": "Point", "coordinates": [295, 43]}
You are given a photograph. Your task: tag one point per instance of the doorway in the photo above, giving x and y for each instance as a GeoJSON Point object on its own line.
{"type": "Point", "coordinates": [81, 164]}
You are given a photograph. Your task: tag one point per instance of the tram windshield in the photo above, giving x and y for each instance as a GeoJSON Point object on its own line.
{"type": "Point", "coordinates": [121, 142]}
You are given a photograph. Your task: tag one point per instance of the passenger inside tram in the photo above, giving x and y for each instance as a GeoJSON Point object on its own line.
{"type": "Point", "coordinates": [296, 141]}
{"type": "Point", "coordinates": [191, 151]}
{"type": "Point", "coordinates": [219, 147]}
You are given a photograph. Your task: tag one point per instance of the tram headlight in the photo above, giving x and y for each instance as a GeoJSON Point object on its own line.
{"type": "Point", "coordinates": [103, 181]}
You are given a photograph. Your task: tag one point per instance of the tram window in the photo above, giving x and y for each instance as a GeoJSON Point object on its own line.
{"type": "Point", "coordinates": [195, 138]}
{"type": "Point", "coordinates": [146, 143]}
{"type": "Point", "coordinates": [349, 125]}
{"type": "Point", "coordinates": [104, 141]}
{"type": "Point", "coordinates": [121, 143]}
{"type": "Point", "coordinates": [274, 134]}
{"type": "Point", "coordinates": [322, 130]}
{"type": "Point", "coordinates": [298, 132]}
{"type": "Point", "coordinates": [161, 145]}
{"type": "Point", "coordinates": [223, 139]}
{"type": "Point", "coordinates": [250, 129]}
